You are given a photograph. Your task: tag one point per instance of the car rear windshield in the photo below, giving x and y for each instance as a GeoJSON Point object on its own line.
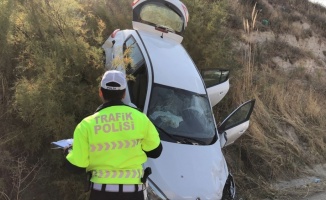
{"type": "Point", "coordinates": [161, 15]}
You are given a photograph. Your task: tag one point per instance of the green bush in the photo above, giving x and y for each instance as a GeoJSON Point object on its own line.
{"type": "Point", "coordinates": [206, 38]}
{"type": "Point", "coordinates": [57, 72]}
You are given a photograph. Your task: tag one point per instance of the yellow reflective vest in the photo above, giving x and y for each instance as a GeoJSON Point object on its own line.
{"type": "Point", "coordinates": [111, 144]}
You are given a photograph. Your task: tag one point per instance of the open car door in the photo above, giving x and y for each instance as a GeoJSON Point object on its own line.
{"type": "Point", "coordinates": [236, 123]}
{"type": "Point", "coordinates": [217, 84]}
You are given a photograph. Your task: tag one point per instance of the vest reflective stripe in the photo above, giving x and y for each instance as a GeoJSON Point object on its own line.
{"type": "Point", "coordinates": [118, 173]}
{"type": "Point", "coordinates": [114, 145]}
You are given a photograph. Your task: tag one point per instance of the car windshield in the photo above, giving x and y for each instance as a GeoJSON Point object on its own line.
{"type": "Point", "coordinates": [162, 16]}
{"type": "Point", "coordinates": [183, 116]}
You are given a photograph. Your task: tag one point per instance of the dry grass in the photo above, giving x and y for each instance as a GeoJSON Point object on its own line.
{"type": "Point", "coordinates": [286, 132]}
{"type": "Point", "coordinates": [287, 126]}
{"type": "Point", "coordinates": [124, 62]}
{"type": "Point", "coordinates": [281, 14]}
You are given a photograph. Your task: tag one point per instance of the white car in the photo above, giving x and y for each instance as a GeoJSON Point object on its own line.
{"type": "Point", "coordinates": [178, 98]}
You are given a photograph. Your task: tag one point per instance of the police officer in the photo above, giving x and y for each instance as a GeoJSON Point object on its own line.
{"type": "Point", "coordinates": [113, 143]}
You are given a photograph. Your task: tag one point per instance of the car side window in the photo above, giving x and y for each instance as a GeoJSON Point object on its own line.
{"type": "Point", "coordinates": [137, 70]}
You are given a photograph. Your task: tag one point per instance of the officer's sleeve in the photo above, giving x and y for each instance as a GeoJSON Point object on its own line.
{"type": "Point", "coordinates": [151, 141]}
{"type": "Point", "coordinates": [155, 153]}
{"type": "Point", "coordinates": [78, 156]}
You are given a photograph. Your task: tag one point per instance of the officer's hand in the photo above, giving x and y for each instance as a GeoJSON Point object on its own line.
{"type": "Point", "coordinates": [67, 150]}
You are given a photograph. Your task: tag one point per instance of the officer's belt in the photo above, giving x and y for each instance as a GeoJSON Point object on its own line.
{"type": "Point", "coordinates": [117, 187]}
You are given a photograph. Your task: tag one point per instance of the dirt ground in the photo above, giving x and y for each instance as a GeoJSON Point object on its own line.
{"type": "Point", "coordinates": [312, 186]}
{"type": "Point", "coordinates": [320, 196]}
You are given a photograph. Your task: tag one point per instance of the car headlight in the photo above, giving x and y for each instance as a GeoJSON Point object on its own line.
{"type": "Point", "coordinates": [154, 192]}
{"type": "Point", "coordinates": [229, 189]}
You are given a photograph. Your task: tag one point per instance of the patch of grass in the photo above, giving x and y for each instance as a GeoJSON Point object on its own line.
{"type": "Point", "coordinates": [287, 126]}
{"type": "Point", "coordinates": [285, 131]}
{"type": "Point", "coordinates": [317, 20]}
{"type": "Point", "coordinates": [234, 22]}
{"type": "Point", "coordinates": [307, 33]}
{"type": "Point", "coordinates": [280, 49]}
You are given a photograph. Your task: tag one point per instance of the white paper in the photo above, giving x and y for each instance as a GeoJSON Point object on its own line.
{"type": "Point", "coordinates": [62, 143]}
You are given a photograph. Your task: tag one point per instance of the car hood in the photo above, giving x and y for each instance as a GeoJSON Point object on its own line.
{"type": "Point", "coordinates": [189, 171]}
{"type": "Point", "coordinates": [172, 66]}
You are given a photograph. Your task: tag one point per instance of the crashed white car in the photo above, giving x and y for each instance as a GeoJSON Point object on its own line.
{"type": "Point", "coordinates": [178, 98]}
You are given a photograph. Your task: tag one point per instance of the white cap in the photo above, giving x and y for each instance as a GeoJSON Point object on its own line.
{"type": "Point", "coordinates": [116, 77]}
